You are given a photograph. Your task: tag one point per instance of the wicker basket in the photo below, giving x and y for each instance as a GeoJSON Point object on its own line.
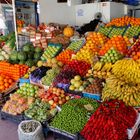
{"type": "Point", "coordinates": [36, 135]}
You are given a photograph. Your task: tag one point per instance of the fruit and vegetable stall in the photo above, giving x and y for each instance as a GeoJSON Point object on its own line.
{"type": "Point", "coordinates": [77, 87]}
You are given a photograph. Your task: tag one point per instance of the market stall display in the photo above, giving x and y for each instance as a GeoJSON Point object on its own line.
{"type": "Point", "coordinates": [88, 85]}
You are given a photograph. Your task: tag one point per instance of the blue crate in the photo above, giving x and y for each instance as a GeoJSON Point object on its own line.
{"type": "Point", "coordinates": [23, 80]}
{"type": "Point", "coordinates": [63, 86]}
{"type": "Point", "coordinates": [92, 96]}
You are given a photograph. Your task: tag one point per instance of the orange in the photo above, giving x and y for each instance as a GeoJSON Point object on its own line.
{"type": "Point", "coordinates": [10, 81]}
{"type": "Point", "coordinates": [1, 78]}
{"type": "Point", "coordinates": [5, 80]}
{"type": "Point", "coordinates": [6, 85]}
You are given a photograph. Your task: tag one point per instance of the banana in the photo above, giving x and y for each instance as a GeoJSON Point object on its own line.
{"type": "Point", "coordinates": [98, 66]}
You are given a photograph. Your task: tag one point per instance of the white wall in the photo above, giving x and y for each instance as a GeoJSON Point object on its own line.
{"type": "Point", "coordinates": [51, 11]}
{"type": "Point", "coordinates": [89, 10]}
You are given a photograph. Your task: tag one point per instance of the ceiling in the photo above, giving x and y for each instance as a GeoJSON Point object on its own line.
{"type": "Point", "coordinates": [5, 1]}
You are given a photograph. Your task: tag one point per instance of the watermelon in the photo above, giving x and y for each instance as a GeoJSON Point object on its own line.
{"type": "Point", "coordinates": [22, 56]}
{"type": "Point", "coordinates": [30, 55]}
{"type": "Point", "coordinates": [26, 48]}
{"type": "Point", "coordinates": [14, 56]}
{"type": "Point", "coordinates": [37, 55]}
{"type": "Point", "coordinates": [29, 62]}
{"type": "Point", "coordinates": [32, 48]}
{"type": "Point", "coordinates": [38, 50]}
{"type": "Point", "coordinates": [22, 62]}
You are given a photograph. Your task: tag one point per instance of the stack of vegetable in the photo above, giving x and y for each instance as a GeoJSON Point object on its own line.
{"type": "Point", "coordinates": [110, 122]}
{"type": "Point", "coordinates": [39, 111]}
{"type": "Point", "coordinates": [29, 55]}
{"type": "Point", "coordinates": [74, 115]}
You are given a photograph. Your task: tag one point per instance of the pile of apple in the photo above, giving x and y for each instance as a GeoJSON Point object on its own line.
{"type": "Point", "coordinates": [134, 51]}
{"type": "Point", "coordinates": [77, 84]}
{"type": "Point", "coordinates": [117, 31]}
{"type": "Point", "coordinates": [111, 56]}
{"type": "Point", "coordinates": [28, 90]}
{"type": "Point", "coordinates": [132, 31]}
{"type": "Point", "coordinates": [54, 96]}
{"type": "Point", "coordinates": [75, 45]}
{"type": "Point", "coordinates": [105, 30]}
{"type": "Point", "coordinates": [51, 51]}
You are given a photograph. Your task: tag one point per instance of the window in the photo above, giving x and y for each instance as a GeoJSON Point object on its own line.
{"type": "Point", "coordinates": [59, 1]}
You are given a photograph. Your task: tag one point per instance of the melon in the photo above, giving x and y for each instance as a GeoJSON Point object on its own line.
{"type": "Point", "coordinates": [38, 50]}
{"type": "Point", "coordinates": [37, 56]}
{"type": "Point", "coordinates": [14, 56]}
{"type": "Point", "coordinates": [26, 48]}
{"type": "Point", "coordinates": [22, 56]}
{"type": "Point", "coordinates": [29, 63]}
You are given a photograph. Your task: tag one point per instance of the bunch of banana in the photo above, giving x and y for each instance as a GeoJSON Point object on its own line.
{"type": "Point", "coordinates": [127, 70]}
{"type": "Point", "coordinates": [118, 89]}
{"type": "Point", "coordinates": [102, 70]}
{"type": "Point", "coordinates": [98, 65]}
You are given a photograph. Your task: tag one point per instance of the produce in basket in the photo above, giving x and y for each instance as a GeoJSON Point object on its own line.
{"type": "Point", "coordinates": [5, 82]}
{"type": "Point", "coordinates": [17, 104]}
{"type": "Point", "coordinates": [124, 21]}
{"type": "Point", "coordinates": [28, 90]}
{"type": "Point", "coordinates": [38, 73]}
{"type": "Point", "coordinates": [79, 84]}
{"type": "Point", "coordinates": [65, 56]}
{"type": "Point", "coordinates": [110, 122]}
{"type": "Point", "coordinates": [14, 71]}
{"type": "Point", "coordinates": [120, 43]}
{"type": "Point", "coordinates": [51, 51]}
{"type": "Point", "coordinates": [111, 56]}
{"type": "Point", "coordinates": [54, 96]}
{"type": "Point", "coordinates": [54, 63]}
{"type": "Point", "coordinates": [50, 76]}
{"type": "Point", "coordinates": [39, 111]}
{"type": "Point", "coordinates": [134, 51]}
{"type": "Point", "coordinates": [119, 89]}
{"type": "Point", "coordinates": [127, 70]}
{"type": "Point", "coordinates": [102, 70]}
{"type": "Point", "coordinates": [74, 115]}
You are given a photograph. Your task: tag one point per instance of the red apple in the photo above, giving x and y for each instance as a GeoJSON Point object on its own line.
{"type": "Point", "coordinates": [60, 102]}
{"type": "Point", "coordinates": [56, 99]}
{"type": "Point", "coordinates": [51, 102]}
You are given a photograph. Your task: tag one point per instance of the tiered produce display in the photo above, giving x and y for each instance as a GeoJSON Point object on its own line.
{"type": "Point", "coordinates": [63, 82]}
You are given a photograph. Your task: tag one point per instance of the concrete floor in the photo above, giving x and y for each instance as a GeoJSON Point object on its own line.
{"type": "Point", "coordinates": [8, 131]}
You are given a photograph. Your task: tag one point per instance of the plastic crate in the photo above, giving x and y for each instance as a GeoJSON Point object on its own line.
{"type": "Point", "coordinates": [15, 119]}
{"type": "Point", "coordinates": [92, 96]}
{"type": "Point", "coordinates": [63, 135]}
{"type": "Point", "coordinates": [63, 86]}
{"type": "Point", "coordinates": [79, 93]}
